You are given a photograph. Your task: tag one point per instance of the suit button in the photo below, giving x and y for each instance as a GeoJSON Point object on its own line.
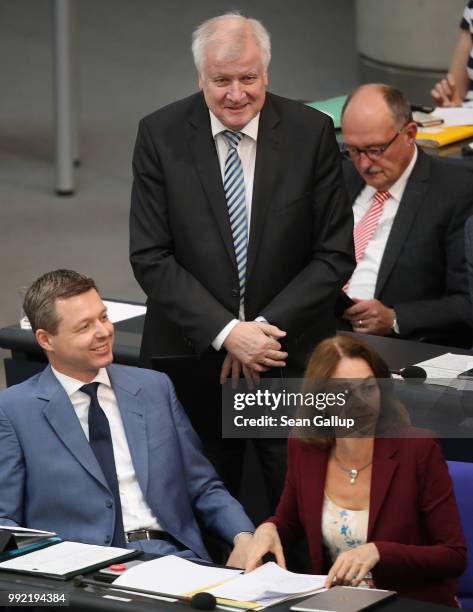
{"type": "Point", "coordinates": [235, 293]}
{"type": "Point", "coordinates": [108, 539]}
{"type": "Point", "coordinates": [109, 503]}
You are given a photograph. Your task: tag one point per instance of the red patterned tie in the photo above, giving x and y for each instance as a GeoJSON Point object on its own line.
{"type": "Point", "coordinates": [366, 226]}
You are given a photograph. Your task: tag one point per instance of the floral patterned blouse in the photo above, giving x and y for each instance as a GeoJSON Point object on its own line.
{"type": "Point", "coordinates": [343, 529]}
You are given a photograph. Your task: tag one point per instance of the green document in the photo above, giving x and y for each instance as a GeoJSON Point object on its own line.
{"type": "Point", "coordinates": [331, 106]}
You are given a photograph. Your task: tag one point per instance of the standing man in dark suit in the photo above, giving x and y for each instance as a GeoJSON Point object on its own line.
{"type": "Point", "coordinates": [409, 210]}
{"type": "Point", "coordinates": [240, 230]}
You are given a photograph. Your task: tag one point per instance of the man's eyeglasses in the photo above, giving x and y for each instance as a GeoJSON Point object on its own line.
{"type": "Point", "coordinates": [374, 153]}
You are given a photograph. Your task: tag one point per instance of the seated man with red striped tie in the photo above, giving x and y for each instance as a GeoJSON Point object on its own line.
{"type": "Point", "coordinates": [409, 211]}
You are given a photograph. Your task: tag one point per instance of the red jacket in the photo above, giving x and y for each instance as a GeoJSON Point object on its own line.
{"type": "Point", "coordinates": [413, 516]}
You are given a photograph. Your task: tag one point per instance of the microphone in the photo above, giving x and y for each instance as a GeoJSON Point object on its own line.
{"type": "Point", "coordinates": [414, 372]}
{"type": "Point", "coordinates": [199, 601]}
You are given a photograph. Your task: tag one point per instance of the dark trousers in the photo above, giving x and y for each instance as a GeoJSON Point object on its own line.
{"type": "Point", "coordinates": [229, 457]}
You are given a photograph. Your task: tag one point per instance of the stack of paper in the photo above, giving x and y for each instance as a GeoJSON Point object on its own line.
{"type": "Point", "coordinates": [444, 370]}
{"type": "Point", "coordinates": [267, 585]}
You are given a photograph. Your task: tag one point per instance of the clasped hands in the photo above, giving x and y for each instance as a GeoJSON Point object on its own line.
{"type": "Point", "coordinates": [370, 317]}
{"type": "Point", "coordinates": [252, 347]}
{"type": "Point", "coordinates": [350, 567]}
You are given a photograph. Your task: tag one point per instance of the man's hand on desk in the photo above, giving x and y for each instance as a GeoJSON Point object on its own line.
{"type": "Point", "coordinates": [255, 345]}
{"type": "Point", "coordinates": [265, 540]}
{"type": "Point", "coordinates": [370, 317]}
{"type": "Point", "coordinates": [239, 554]}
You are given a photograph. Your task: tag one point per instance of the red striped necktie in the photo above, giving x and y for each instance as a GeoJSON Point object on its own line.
{"type": "Point", "coordinates": [366, 226]}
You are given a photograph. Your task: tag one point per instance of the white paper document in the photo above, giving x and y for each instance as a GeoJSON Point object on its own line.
{"type": "Point", "coordinates": [268, 585]}
{"type": "Point", "coordinates": [173, 575]}
{"type": "Point", "coordinates": [63, 558]}
{"type": "Point", "coordinates": [25, 530]}
{"type": "Point", "coordinates": [454, 116]}
{"type": "Point", "coordinates": [444, 370]}
{"type": "Point", "coordinates": [120, 311]}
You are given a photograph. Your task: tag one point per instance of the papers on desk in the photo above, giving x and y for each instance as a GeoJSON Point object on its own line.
{"type": "Point", "coordinates": [16, 541]}
{"type": "Point", "coordinates": [444, 370]}
{"type": "Point", "coordinates": [26, 531]}
{"type": "Point", "coordinates": [121, 311]}
{"type": "Point", "coordinates": [454, 116]}
{"type": "Point", "coordinates": [173, 575]}
{"type": "Point", "coordinates": [441, 136]}
{"type": "Point", "coordinates": [264, 586]}
{"type": "Point", "coordinates": [268, 585]}
{"type": "Point", "coordinates": [66, 559]}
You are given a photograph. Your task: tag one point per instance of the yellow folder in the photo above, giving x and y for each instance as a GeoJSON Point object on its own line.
{"type": "Point", "coordinates": [438, 137]}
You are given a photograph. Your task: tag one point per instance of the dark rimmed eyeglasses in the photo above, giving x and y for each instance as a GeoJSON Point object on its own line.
{"type": "Point", "coordinates": [373, 153]}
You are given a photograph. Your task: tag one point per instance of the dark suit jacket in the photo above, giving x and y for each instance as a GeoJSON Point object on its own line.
{"type": "Point", "coordinates": [469, 256]}
{"type": "Point", "coordinates": [181, 249]}
{"type": "Point", "coordinates": [422, 273]}
{"type": "Point", "coordinates": [413, 516]}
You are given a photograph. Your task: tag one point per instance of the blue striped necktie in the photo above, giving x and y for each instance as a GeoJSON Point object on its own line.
{"type": "Point", "coordinates": [234, 186]}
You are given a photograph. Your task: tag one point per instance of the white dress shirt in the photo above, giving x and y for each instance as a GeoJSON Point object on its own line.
{"type": "Point", "coordinates": [247, 153]}
{"type": "Point", "coordinates": [136, 512]}
{"type": "Point", "coordinates": [363, 282]}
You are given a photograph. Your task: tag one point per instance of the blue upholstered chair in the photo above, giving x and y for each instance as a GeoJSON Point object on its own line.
{"type": "Point", "coordinates": [462, 476]}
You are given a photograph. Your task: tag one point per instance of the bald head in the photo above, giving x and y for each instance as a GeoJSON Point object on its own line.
{"type": "Point", "coordinates": [380, 100]}
{"type": "Point", "coordinates": [379, 133]}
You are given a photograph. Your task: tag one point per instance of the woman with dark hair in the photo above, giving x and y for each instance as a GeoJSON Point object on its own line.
{"type": "Point", "coordinates": [376, 511]}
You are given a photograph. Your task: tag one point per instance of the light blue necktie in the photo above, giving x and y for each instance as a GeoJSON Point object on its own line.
{"type": "Point", "coordinates": [234, 186]}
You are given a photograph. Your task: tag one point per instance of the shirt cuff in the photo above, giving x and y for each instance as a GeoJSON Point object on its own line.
{"type": "Point", "coordinates": [218, 341]}
{"type": "Point", "coordinates": [239, 534]}
{"type": "Point", "coordinates": [396, 325]}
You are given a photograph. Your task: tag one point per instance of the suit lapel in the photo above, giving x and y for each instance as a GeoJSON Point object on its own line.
{"type": "Point", "coordinates": [353, 181]}
{"type": "Point", "coordinates": [205, 157]}
{"type": "Point", "coordinates": [133, 416]}
{"type": "Point", "coordinates": [267, 168]}
{"type": "Point", "coordinates": [384, 467]}
{"type": "Point", "coordinates": [411, 201]}
{"type": "Point", "coordinates": [60, 414]}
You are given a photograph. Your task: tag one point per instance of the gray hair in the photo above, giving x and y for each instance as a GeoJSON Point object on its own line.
{"type": "Point", "coordinates": [40, 299]}
{"type": "Point", "coordinates": [203, 34]}
{"type": "Point", "coordinates": [395, 99]}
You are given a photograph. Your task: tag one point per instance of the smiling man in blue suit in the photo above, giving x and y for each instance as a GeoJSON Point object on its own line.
{"type": "Point", "coordinates": [104, 453]}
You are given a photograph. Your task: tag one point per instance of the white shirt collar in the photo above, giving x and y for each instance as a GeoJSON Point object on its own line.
{"type": "Point", "coordinates": [250, 129]}
{"type": "Point", "coordinates": [397, 189]}
{"type": "Point", "coordinates": [71, 385]}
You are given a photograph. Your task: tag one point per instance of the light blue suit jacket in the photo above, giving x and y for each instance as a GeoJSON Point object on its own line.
{"type": "Point", "coordinates": [50, 478]}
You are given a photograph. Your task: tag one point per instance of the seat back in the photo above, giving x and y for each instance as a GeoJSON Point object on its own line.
{"type": "Point", "coordinates": [462, 476]}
